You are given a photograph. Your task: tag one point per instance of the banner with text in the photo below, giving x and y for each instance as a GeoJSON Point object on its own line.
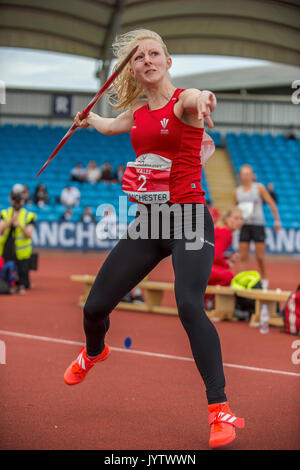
{"type": "Point", "coordinates": [80, 236]}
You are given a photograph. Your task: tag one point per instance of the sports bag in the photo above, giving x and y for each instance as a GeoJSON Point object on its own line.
{"type": "Point", "coordinates": [291, 313]}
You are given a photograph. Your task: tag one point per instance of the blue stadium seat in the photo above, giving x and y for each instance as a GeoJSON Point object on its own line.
{"type": "Point", "coordinates": [25, 149]}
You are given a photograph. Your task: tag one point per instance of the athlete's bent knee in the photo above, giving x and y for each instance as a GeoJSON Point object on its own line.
{"type": "Point", "coordinates": [96, 308]}
{"type": "Point", "coordinates": [189, 309]}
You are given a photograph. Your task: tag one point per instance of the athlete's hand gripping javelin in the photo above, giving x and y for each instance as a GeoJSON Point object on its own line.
{"type": "Point", "coordinates": [83, 123]}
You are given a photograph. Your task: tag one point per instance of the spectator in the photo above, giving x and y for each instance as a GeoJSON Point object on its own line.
{"type": "Point", "coordinates": [119, 174]}
{"type": "Point", "coordinates": [24, 190]}
{"type": "Point", "coordinates": [106, 172]}
{"type": "Point", "coordinates": [250, 196]}
{"type": "Point", "coordinates": [270, 189]}
{"type": "Point", "coordinates": [107, 227]}
{"type": "Point", "coordinates": [291, 133]}
{"type": "Point", "coordinates": [67, 215]}
{"type": "Point", "coordinates": [221, 273]}
{"type": "Point", "coordinates": [16, 229]}
{"type": "Point", "coordinates": [87, 216]}
{"type": "Point", "coordinates": [18, 188]}
{"type": "Point", "coordinates": [9, 274]}
{"type": "Point", "coordinates": [93, 172]}
{"type": "Point", "coordinates": [26, 195]}
{"type": "Point", "coordinates": [70, 196]}
{"type": "Point", "coordinates": [78, 173]}
{"type": "Point", "coordinates": [214, 212]}
{"type": "Point", "coordinates": [40, 196]}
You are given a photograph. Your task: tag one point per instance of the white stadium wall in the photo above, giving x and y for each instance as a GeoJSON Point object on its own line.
{"type": "Point", "coordinates": [234, 113]}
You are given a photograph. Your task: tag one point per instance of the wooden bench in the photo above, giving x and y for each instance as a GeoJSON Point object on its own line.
{"type": "Point", "coordinates": [267, 297]}
{"type": "Point", "coordinates": [87, 280]}
{"type": "Point", "coordinates": [153, 294]}
{"type": "Point", "coordinates": [224, 300]}
{"type": "Point", "coordinates": [154, 290]}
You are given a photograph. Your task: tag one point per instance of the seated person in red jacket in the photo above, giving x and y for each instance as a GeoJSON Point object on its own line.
{"type": "Point", "coordinates": [221, 273]}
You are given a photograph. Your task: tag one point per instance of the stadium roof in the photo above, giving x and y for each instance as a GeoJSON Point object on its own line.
{"type": "Point", "coordinates": [266, 77]}
{"type": "Point", "coordinates": [266, 30]}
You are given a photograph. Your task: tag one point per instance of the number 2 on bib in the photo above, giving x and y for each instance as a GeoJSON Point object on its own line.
{"type": "Point", "coordinates": [142, 188]}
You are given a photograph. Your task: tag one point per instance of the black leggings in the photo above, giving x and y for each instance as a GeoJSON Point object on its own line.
{"type": "Point", "coordinates": [129, 262]}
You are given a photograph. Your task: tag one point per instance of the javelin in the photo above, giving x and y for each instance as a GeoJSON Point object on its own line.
{"type": "Point", "coordinates": [84, 113]}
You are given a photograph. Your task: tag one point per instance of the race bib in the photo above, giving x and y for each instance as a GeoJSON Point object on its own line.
{"type": "Point", "coordinates": [147, 179]}
{"type": "Point", "coordinates": [247, 209]}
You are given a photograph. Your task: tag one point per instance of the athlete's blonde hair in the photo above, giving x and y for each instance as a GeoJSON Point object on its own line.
{"type": "Point", "coordinates": [126, 90]}
{"type": "Point", "coordinates": [228, 213]}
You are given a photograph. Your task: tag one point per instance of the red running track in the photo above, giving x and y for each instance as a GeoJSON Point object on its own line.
{"type": "Point", "coordinates": [136, 401]}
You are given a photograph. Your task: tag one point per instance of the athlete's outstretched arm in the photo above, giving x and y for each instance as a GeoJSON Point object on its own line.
{"type": "Point", "coordinates": [201, 103]}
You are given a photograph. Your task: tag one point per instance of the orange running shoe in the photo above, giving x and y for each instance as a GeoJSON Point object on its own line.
{"type": "Point", "coordinates": [222, 424]}
{"type": "Point", "coordinates": [77, 370]}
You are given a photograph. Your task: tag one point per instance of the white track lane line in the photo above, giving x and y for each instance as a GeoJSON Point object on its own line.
{"type": "Point", "coordinates": [143, 353]}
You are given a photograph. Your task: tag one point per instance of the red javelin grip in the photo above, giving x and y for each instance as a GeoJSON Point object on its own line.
{"type": "Point", "coordinates": [84, 113]}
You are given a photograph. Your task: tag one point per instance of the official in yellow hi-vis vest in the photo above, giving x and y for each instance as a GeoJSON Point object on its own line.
{"type": "Point", "coordinates": [16, 229]}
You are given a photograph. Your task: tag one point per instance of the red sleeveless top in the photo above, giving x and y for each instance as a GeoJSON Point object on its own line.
{"type": "Point", "coordinates": [162, 133]}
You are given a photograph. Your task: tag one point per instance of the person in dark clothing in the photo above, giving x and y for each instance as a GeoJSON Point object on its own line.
{"type": "Point", "coordinates": [40, 196]}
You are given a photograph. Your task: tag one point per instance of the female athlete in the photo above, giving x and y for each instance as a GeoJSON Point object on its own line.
{"type": "Point", "coordinates": [250, 196]}
{"type": "Point", "coordinates": [167, 129]}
